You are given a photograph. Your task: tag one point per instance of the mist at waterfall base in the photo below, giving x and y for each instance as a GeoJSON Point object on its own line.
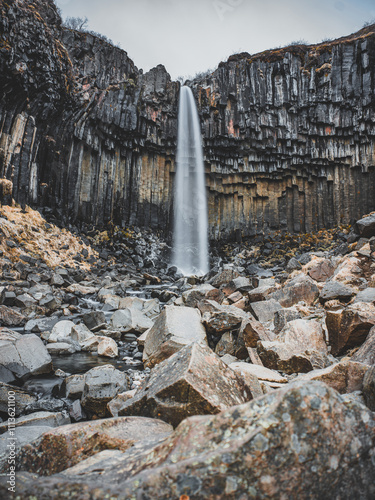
{"type": "Point", "coordinates": [190, 234]}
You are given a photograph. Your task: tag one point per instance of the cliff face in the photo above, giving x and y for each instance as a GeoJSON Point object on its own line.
{"type": "Point", "coordinates": [288, 134]}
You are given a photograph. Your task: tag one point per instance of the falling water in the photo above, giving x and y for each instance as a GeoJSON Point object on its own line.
{"type": "Point", "coordinates": [190, 245]}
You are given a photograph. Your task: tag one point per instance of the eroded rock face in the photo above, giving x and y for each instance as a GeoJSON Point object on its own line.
{"type": "Point", "coordinates": [287, 154]}
{"type": "Point", "coordinates": [173, 329]}
{"type": "Point", "coordinates": [194, 381]}
{"type": "Point", "coordinates": [237, 454]}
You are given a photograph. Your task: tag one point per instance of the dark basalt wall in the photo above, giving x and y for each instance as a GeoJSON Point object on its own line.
{"type": "Point", "coordinates": [288, 134]}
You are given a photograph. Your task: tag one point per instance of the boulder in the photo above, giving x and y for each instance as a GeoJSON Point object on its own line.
{"type": "Point", "coordinates": [302, 441]}
{"type": "Point", "coordinates": [367, 295]}
{"type": "Point", "coordinates": [349, 327]}
{"type": "Point", "coordinates": [300, 347]}
{"type": "Point", "coordinates": [22, 356]}
{"type": "Point", "coordinates": [366, 226]}
{"type": "Point", "coordinates": [39, 418]}
{"type": "Point", "coordinates": [366, 353]}
{"type": "Point", "coordinates": [264, 310]}
{"type": "Point", "coordinates": [61, 332]}
{"type": "Point", "coordinates": [322, 270]}
{"type": "Point", "coordinates": [226, 344]}
{"type": "Point", "coordinates": [63, 447]}
{"type": "Point", "coordinates": [73, 386]}
{"type": "Point", "coordinates": [218, 318]}
{"type": "Point", "coordinates": [131, 319]}
{"type": "Point", "coordinates": [252, 330]}
{"type": "Point", "coordinates": [193, 381]}
{"type": "Point", "coordinates": [102, 384]}
{"type": "Point", "coordinates": [260, 293]}
{"type": "Point", "coordinates": [174, 328]}
{"type": "Point", "coordinates": [334, 290]}
{"type": "Point", "coordinates": [11, 317]}
{"type": "Point", "coordinates": [251, 380]}
{"type": "Point", "coordinates": [20, 397]}
{"type": "Point", "coordinates": [283, 316]}
{"type": "Point", "coordinates": [108, 347]}
{"type": "Point", "coordinates": [94, 320]}
{"type": "Point", "coordinates": [346, 376]}
{"type": "Point", "coordinates": [223, 277]}
{"type": "Point", "coordinates": [194, 295]}
{"type": "Point", "coordinates": [61, 348]}
{"type": "Point", "coordinates": [80, 333]}
{"type": "Point", "coordinates": [300, 288]}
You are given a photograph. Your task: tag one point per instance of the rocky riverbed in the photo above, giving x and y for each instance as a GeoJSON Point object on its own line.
{"type": "Point", "coordinates": [132, 381]}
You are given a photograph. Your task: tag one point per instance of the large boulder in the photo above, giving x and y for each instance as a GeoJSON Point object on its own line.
{"type": "Point", "coordinates": [219, 318]}
{"type": "Point", "coordinates": [320, 269]}
{"type": "Point", "coordinates": [174, 328]}
{"type": "Point", "coordinates": [11, 317]}
{"type": "Point", "coordinates": [194, 295]}
{"type": "Point", "coordinates": [334, 290]}
{"type": "Point", "coordinates": [300, 288]}
{"type": "Point", "coordinates": [366, 226]}
{"type": "Point", "coordinates": [194, 381]}
{"type": "Point", "coordinates": [346, 376]}
{"type": "Point", "coordinates": [61, 332]}
{"type": "Point", "coordinates": [349, 327]}
{"type": "Point", "coordinates": [22, 356]}
{"type": "Point", "coordinates": [63, 447]}
{"type": "Point", "coordinates": [265, 310]}
{"type": "Point", "coordinates": [302, 441]}
{"type": "Point", "coordinates": [300, 347]}
{"type": "Point", "coordinates": [131, 319]}
{"type": "Point", "coordinates": [102, 384]}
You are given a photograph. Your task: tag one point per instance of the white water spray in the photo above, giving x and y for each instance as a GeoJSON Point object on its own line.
{"type": "Point", "coordinates": [190, 237]}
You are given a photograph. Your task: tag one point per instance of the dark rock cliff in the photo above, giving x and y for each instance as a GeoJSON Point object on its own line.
{"type": "Point", "coordinates": [288, 134]}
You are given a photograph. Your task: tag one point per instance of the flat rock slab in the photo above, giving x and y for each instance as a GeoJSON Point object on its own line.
{"type": "Point", "coordinates": [174, 328]}
{"type": "Point", "coordinates": [39, 418]}
{"type": "Point", "coordinates": [194, 381]}
{"type": "Point", "coordinates": [267, 448]}
{"type": "Point", "coordinates": [66, 446]}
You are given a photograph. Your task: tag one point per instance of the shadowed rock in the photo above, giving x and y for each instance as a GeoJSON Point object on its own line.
{"type": "Point", "coordinates": [366, 353]}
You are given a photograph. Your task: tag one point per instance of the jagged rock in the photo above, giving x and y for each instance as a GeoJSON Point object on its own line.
{"type": "Point", "coordinates": [299, 347]}
{"type": "Point", "coordinates": [366, 226]}
{"type": "Point", "coordinates": [265, 310]}
{"type": "Point", "coordinates": [81, 290]}
{"type": "Point", "coordinates": [252, 330]}
{"type": "Point", "coordinates": [94, 320]}
{"type": "Point", "coordinates": [366, 353]}
{"type": "Point", "coordinates": [251, 380]}
{"type": "Point", "coordinates": [194, 295]}
{"type": "Point", "coordinates": [223, 277]}
{"type": "Point", "coordinates": [21, 397]}
{"type": "Point", "coordinates": [369, 388]}
{"type": "Point", "coordinates": [266, 374]}
{"type": "Point", "coordinates": [334, 290]}
{"type": "Point", "coordinates": [40, 418]}
{"type": "Point", "coordinates": [226, 344]}
{"type": "Point", "coordinates": [61, 332]}
{"type": "Point", "coordinates": [115, 405]}
{"type": "Point", "coordinates": [102, 384]}
{"type": "Point", "coordinates": [108, 347]}
{"type": "Point", "coordinates": [252, 440]}
{"type": "Point", "coordinates": [173, 329]}
{"type": "Point", "coordinates": [349, 327]}
{"type": "Point", "coordinates": [260, 293]}
{"type": "Point", "coordinates": [11, 317]}
{"type": "Point", "coordinates": [284, 316]}
{"type": "Point", "coordinates": [22, 356]}
{"type": "Point", "coordinates": [131, 320]}
{"type": "Point", "coordinates": [68, 445]}
{"type": "Point", "coordinates": [80, 333]}
{"type": "Point", "coordinates": [321, 271]}
{"type": "Point", "coordinates": [300, 288]}
{"type": "Point", "coordinates": [346, 376]}
{"type": "Point", "coordinates": [193, 381]}
{"type": "Point", "coordinates": [25, 301]}
{"type": "Point", "coordinates": [73, 386]}
{"type": "Point", "coordinates": [218, 318]}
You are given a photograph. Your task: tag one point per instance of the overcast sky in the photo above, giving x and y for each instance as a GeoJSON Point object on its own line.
{"type": "Point", "coordinates": [190, 36]}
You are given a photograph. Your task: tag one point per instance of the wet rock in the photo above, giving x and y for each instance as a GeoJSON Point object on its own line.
{"type": "Point", "coordinates": [11, 317]}
{"type": "Point", "coordinates": [94, 320]}
{"type": "Point", "coordinates": [252, 440]}
{"type": "Point", "coordinates": [61, 348]}
{"type": "Point", "coordinates": [131, 320]}
{"type": "Point", "coordinates": [265, 310]}
{"type": "Point", "coordinates": [80, 333]}
{"type": "Point", "coordinates": [108, 347]}
{"type": "Point", "coordinates": [22, 399]}
{"type": "Point", "coordinates": [73, 386]}
{"type": "Point", "coordinates": [349, 327]}
{"type": "Point", "coordinates": [334, 290]}
{"type": "Point", "coordinates": [300, 288]}
{"type": "Point", "coordinates": [366, 226]}
{"type": "Point", "coordinates": [102, 384]}
{"type": "Point", "coordinates": [193, 381]}
{"type": "Point", "coordinates": [300, 347]}
{"type": "Point", "coordinates": [22, 355]}
{"type": "Point", "coordinates": [346, 376]}
{"type": "Point", "coordinates": [68, 445]}
{"type": "Point", "coordinates": [366, 353]}
{"type": "Point", "coordinates": [173, 329]}
{"type": "Point", "coordinates": [369, 388]}
{"type": "Point", "coordinates": [40, 325]}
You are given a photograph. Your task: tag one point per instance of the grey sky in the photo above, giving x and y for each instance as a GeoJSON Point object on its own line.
{"type": "Point", "coordinates": [189, 36]}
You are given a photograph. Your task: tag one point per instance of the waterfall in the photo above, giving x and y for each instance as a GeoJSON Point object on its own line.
{"type": "Point", "coordinates": [190, 236]}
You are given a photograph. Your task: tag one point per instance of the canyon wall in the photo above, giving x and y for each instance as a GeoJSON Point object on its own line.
{"type": "Point", "coordinates": [288, 134]}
